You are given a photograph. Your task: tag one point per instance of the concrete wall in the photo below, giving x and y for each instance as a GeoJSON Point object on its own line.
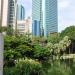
{"type": "Point", "coordinates": [1, 53]}
{"type": "Point", "coordinates": [5, 13]}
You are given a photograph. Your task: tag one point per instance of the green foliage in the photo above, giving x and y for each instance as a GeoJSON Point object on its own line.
{"type": "Point", "coordinates": [59, 69]}
{"type": "Point", "coordinates": [11, 54]}
{"type": "Point", "coordinates": [3, 29]}
{"type": "Point", "coordinates": [24, 50]}
{"type": "Point", "coordinates": [69, 31]}
{"type": "Point", "coordinates": [54, 38]}
{"type": "Point", "coordinates": [29, 67]}
{"type": "Point", "coordinates": [9, 71]}
{"type": "Point", "coordinates": [42, 50]}
{"type": "Point", "coordinates": [10, 30]}
{"type": "Point", "coordinates": [41, 53]}
{"type": "Point", "coordinates": [55, 49]}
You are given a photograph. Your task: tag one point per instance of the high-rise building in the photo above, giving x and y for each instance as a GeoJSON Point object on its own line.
{"type": "Point", "coordinates": [36, 16]}
{"type": "Point", "coordinates": [21, 26]}
{"type": "Point", "coordinates": [24, 26]}
{"type": "Point", "coordinates": [28, 25]}
{"type": "Point", "coordinates": [5, 13]}
{"type": "Point", "coordinates": [8, 12]}
{"type": "Point", "coordinates": [50, 20]}
{"type": "Point", "coordinates": [20, 19]}
{"type": "Point", "coordinates": [36, 28]}
{"type": "Point", "coordinates": [11, 12]}
{"type": "Point", "coordinates": [45, 11]}
{"type": "Point", "coordinates": [20, 12]}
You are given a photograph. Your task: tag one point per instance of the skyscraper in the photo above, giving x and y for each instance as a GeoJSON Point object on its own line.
{"type": "Point", "coordinates": [5, 13]}
{"type": "Point", "coordinates": [36, 16]}
{"type": "Point", "coordinates": [45, 11]}
{"type": "Point", "coordinates": [20, 19]}
{"type": "Point", "coordinates": [36, 28]}
{"type": "Point", "coordinates": [8, 13]}
{"type": "Point", "coordinates": [50, 20]}
{"type": "Point", "coordinates": [20, 12]}
{"type": "Point", "coordinates": [11, 12]}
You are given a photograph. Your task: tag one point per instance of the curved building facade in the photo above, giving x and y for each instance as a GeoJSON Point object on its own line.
{"type": "Point", "coordinates": [20, 12]}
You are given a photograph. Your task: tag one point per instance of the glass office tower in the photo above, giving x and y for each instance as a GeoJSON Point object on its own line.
{"type": "Point", "coordinates": [36, 17]}
{"type": "Point", "coordinates": [20, 12]}
{"type": "Point", "coordinates": [50, 20]}
{"type": "Point", "coordinates": [36, 28]}
{"type": "Point", "coordinates": [45, 11]}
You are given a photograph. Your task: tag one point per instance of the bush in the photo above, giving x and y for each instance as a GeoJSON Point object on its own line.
{"type": "Point", "coordinates": [59, 69]}
{"type": "Point", "coordinates": [9, 71]}
{"type": "Point", "coordinates": [29, 67]}
{"type": "Point", "coordinates": [41, 53]}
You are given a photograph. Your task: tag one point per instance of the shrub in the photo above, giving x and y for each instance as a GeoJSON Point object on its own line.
{"type": "Point", "coordinates": [59, 69]}
{"type": "Point", "coordinates": [9, 71]}
{"type": "Point", "coordinates": [29, 67]}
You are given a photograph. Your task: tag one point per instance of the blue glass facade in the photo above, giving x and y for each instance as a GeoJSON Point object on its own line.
{"type": "Point", "coordinates": [36, 28]}
{"type": "Point", "coordinates": [20, 12]}
{"type": "Point", "coordinates": [50, 20]}
{"type": "Point", "coordinates": [45, 11]}
{"type": "Point", "coordinates": [36, 17]}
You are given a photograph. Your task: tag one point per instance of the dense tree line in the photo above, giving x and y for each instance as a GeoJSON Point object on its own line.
{"type": "Point", "coordinates": [38, 55]}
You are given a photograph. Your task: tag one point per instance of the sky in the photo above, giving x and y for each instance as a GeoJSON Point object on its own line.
{"type": "Point", "coordinates": [66, 12]}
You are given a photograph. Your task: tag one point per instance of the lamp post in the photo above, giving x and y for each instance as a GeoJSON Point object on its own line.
{"type": "Point", "coordinates": [1, 39]}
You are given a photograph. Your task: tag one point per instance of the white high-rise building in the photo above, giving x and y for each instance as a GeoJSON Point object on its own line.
{"type": "Point", "coordinates": [5, 13]}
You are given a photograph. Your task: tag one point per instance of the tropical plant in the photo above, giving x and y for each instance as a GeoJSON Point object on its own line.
{"type": "Point", "coordinates": [29, 67]}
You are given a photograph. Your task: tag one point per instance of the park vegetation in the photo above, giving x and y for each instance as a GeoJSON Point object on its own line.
{"type": "Point", "coordinates": [24, 55]}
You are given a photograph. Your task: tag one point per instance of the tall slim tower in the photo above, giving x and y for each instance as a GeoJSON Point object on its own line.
{"type": "Point", "coordinates": [44, 11]}
{"type": "Point", "coordinates": [11, 12]}
{"type": "Point", "coordinates": [8, 12]}
{"type": "Point", "coordinates": [50, 20]}
{"type": "Point", "coordinates": [20, 27]}
{"type": "Point", "coordinates": [5, 13]}
{"type": "Point", "coordinates": [20, 12]}
{"type": "Point", "coordinates": [36, 17]}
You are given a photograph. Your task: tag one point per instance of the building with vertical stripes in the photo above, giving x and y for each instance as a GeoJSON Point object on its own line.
{"type": "Point", "coordinates": [36, 17]}
{"type": "Point", "coordinates": [20, 12]}
{"type": "Point", "coordinates": [45, 11]}
{"type": "Point", "coordinates": [8, 13]}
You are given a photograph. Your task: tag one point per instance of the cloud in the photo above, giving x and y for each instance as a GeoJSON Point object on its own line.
{"type": "Point", "coordinates": [64, 3]}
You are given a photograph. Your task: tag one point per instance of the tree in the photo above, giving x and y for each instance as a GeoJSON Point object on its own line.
{"type": "Point", "coordinates": [41, 53]}
{"type": "Point", "coordinates": [70, 32]}
{"type": "Point", "coordinates": [54, 38]}
{"type": "Point", "coordinates": [10, 30]}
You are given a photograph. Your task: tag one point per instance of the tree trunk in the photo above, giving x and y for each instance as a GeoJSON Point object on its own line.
{"type": "Point", "coordinates": [1, 53]}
